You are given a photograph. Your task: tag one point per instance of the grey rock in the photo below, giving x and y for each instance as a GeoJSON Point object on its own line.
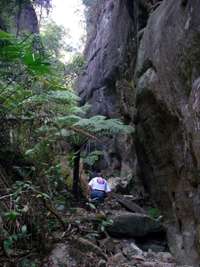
{"type": "Point", "coordinates": [165, 257]}
{"type": "Point", "coordinates": [59, 256]}
{"type": "Point", "coordinates": [129, 204]}
{"type": "Point", "coordinates": [120, 184]}
{"type": "Point", "coordinates": [132, 250]}
{"type": "Point", "coordinates": [168, 133]}
{"type": "Point", "coordinates": [134, 225]}
{"type": "Point", "coordinates": [161, 94]}
{"type": "Point", "coordinates": [107, 81]}
{"type": "Point", "coordinates": [18, 18]}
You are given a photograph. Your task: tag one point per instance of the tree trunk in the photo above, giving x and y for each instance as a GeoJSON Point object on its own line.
{"type": "Point", "coordinates": [76, 170]}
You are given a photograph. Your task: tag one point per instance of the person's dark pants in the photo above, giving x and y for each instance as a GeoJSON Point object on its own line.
{"type": "Point", "coordinates": [97, 195]}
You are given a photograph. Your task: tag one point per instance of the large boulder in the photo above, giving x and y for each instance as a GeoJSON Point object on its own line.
{"type": "Point", "coordinates": [134, 225]}
{"type": "Point", "coordinates": [120, 184]}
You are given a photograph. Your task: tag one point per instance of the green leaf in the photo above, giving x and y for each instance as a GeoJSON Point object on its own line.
{"type": "Point", "coordinates": [91, 158]}
{"type": "Point", "coordinates": [92, 206]}
{"type": "Point", "coordinates": [14, 237]}
{"type": "Point", "coordinates": [5, 35]}
{"type": "Point", "coordinates": [7, 244]}
{"type": "Point", "coordinates": [67, 120]}
{"type": "Point", "coordinates": [30, 152]}
{"type": "Point", "coordinates": [24, 229]}
{"type": "Point", "coordinates": [64, 96]}
{"type": "Point", "coordinates": [45, 196]}
{"type": "Point", "coordinates": [12, 215]}
{"type": "Point", "coordinates": [102, 228]}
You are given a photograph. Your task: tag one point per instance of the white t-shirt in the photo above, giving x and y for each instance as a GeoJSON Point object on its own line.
{"type": "Point", "coordinates": [99, 183]}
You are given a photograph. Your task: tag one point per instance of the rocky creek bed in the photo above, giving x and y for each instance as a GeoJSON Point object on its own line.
{"type": "Point", "coordinates": [110, 236]}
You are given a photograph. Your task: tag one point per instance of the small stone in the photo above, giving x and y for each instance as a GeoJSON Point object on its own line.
{"type": "Point", "coordinates": [151, 255]}
{"type": "Point", "coordinates": [145, 254]}
{"type": "Point", "coordinates": [165, 257]}
{"type": "Point", "coordinates": [60, 207]}
{"type": "Point", "coordinates": [136, 250]}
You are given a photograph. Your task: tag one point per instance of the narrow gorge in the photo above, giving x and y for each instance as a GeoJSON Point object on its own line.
{"type": "Point", "coordinates": [143, 65]}
{"type": "Point", "coordinates": [140, 67]}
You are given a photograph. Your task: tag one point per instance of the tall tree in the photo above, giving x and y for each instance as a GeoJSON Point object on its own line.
{"type": "Point", "coordinates": [55, 39]}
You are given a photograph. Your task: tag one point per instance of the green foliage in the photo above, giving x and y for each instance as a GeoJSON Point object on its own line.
{"type": "Point", "coordinates": [9, 243]}
{"type": "Point", "coordinates": [31, 87]}
{"type": "Point", "coordinates": [20, 220]}
{"type": "Point", "coordinates": [154, 213]}
{"type": "Point", "coordinates": [54, 39]}
{"type": "Point", "coordinates": [11, 215]}
{"type": "Point", "coordinates": [74, 68]}
{"type": "Point", "coordinates": [92, 127]}
{"type": "Point", "coordinates": [105, 223]}
{"type": "Point", "coordinates": [91, 206]}
{"type": "Point", "coordinates": [27, 263]}
{"type": "Point", "coordinates": [18, 57]}
{"type": "Point", "coordinates": [92, 157]}
{"type": "Point", "coordinates": [56, 179]}
{"type": "Point", "coordinates": [37, 89]}
{"type": "Point", "coordinates": [100, 125]}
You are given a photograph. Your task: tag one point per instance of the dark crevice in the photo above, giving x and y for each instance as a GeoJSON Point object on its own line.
{"type": "Point", "coordinates": [19, 4]}
{"type": "Point", "coordinates": [180, 225]}
{"type": "Point", "coordinates": [130, 6]}
{"type": "Point", "coordinates": [146, 65]}
{"type": "Point", "coordinates": [184, 3]}
{"type": "Point", "coordinates": [138, 13]}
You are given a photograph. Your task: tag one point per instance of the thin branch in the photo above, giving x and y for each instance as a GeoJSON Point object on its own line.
{"type": "Point", "coordinates": [10, 195]}
{"type": "Point", "coordinates": [26, 38]}
{"type": "Point", "coordinates": [54, 212]}
{"type": "Point", "coordinates": [7, 196]}
{"type": "Point", "coordinates": [84, 132]}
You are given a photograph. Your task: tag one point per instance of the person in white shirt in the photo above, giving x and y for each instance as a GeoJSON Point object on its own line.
{"type": "Point", "coordinates": [99, 188]}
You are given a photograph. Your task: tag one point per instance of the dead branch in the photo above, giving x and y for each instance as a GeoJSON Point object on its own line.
{"type": "Point", "coordinates": [84, 132]}
{"type": "Point", "coordinates": [55, 213]}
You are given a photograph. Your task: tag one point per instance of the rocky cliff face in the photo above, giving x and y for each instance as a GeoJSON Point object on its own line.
{"type": "Point", "coordinates": [153, 80]}
{"type": "Point", "coordinates": [18, 17]}
{"type": "Point", "coordinates": [168, 121]}
{"type": "Point", "coordinates": [107, 82]}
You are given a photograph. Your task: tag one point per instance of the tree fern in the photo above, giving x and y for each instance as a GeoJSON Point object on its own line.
{"type": "Point", "coordinates": [39, 92]}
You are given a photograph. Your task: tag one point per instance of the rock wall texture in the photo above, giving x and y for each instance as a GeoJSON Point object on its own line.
{"type": "Point", "coordinates": [107, 82]}
{"type": "Point", "coordinates": [152, 77]}
{"type": "Point", "coordinates": [18, 16]}
{"type": "Point", "coordinates": [168, 120]}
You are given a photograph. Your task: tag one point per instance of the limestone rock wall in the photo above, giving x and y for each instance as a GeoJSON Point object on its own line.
{"type": "Point", "coordinates": [168, 120]}
{"type": "Point", "coordinates": [18, 17]}
{"type": "Point", "coordinates": [107, 81]}
{"type": "Point", "coordinates": [151, 77]}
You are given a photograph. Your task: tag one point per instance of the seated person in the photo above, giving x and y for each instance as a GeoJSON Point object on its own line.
{"type": "Point", "coordinates": [99, 188]}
